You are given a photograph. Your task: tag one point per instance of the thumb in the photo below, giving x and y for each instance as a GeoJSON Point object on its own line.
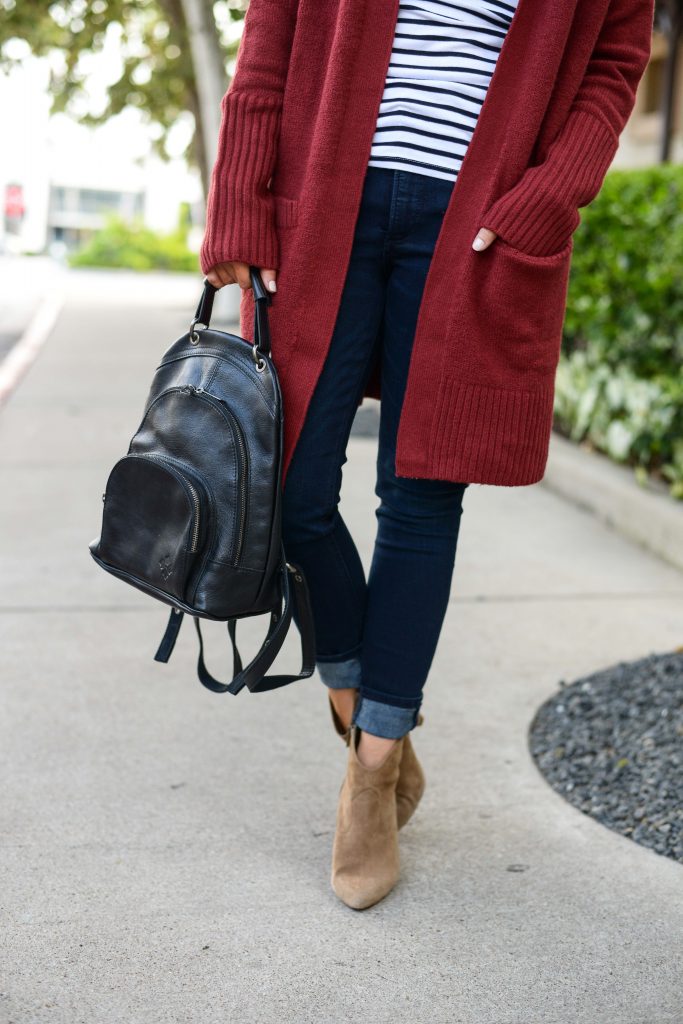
{"type": "Point", "coordinates": [484, 239]}
{"type": "Point", "coordinates": [268, 277]}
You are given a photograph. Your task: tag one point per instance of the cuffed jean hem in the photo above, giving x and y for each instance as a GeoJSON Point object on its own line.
{"type": "Point", "coordinates": [340, 675]}
{"type": "Point", "coordinates": [385, 720]}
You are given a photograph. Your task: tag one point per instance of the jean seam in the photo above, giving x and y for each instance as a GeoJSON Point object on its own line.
{"type": "Point", "coordinates": [342, 560]}
{"type": "Point", "coordinates": [346, 433]}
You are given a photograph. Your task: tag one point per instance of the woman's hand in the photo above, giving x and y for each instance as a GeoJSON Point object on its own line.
{"type": "Point", "coordinates": [235, 272]}
{"type": "Point", "coordinates": [484, 238]}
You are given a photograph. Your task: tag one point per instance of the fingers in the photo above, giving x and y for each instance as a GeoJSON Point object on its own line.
{"type": "Point", "coordinates": [241, 272]}
{"type": "Point", "coordinates": [219, 275]}
{"type": "Point", "coordinates": [243, 278]}
{"type": "Point", "coordinates": [484, 238]}
{"type": "Point", "coordinates": [229, 273]}
{"type": "Point", "coordinates": [268, 278]}
{"type": "Point", "coordinates": [235, 272]}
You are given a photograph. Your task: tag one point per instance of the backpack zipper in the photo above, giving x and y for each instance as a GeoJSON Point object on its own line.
{"type": "Point", "coordinates": [241, 447]}
{"type": "Point", "coordinates": [193, 493]}
{"type": "Point", "coordinates": [195, 532]}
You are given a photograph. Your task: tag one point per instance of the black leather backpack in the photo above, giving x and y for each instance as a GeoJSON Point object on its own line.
{"type": "Point", "coordinates": [192, 512]}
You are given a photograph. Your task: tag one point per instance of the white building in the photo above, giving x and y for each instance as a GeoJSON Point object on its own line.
{"type": "Point", "coordinates": [68, 177]}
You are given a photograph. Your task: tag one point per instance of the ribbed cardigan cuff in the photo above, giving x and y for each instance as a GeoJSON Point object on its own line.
{"type": "Point", "coordinates": [240, 214]}
{"type": "Point", "coordinates": [540, 213]}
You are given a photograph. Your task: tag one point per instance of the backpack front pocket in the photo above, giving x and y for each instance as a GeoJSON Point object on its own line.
{"type": "Point", "coordinates": [155, 520]}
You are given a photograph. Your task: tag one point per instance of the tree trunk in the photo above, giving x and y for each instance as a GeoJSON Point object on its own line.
{"type": "Point", "coordinates": [673, 14]}
{"type": "Point", "coordinates": [197, 146]}
{"type": "Point", "coordinates": [210, 75]}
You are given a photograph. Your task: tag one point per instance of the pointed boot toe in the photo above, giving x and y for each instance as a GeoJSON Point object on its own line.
{"type": "Point", "coordinates": [365, 854]}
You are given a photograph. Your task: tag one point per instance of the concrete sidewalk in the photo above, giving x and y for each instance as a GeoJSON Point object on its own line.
{"type": "Point", "coordinates": [166, 852]}
{"type": "Point", "coordinates": [24, 283]}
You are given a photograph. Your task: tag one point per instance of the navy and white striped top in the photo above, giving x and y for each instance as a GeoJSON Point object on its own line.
{"type": "Point", "coordinates": [444, 54]}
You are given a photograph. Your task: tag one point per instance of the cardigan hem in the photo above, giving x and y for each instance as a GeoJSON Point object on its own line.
{"type": "Point", "coordinates": [482, 434]}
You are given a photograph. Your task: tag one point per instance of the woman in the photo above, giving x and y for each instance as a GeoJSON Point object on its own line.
{"type": "Point", "coordinates": [415, 213]}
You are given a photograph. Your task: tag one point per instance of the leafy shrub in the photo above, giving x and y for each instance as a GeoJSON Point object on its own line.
{"type": "Point", "coordinates": [619, 379]}
{"type": "Point", "coordinates": [132, 245]}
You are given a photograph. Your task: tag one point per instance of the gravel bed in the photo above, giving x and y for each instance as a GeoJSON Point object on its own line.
{"type": "Point", "coordinates": [612, 745]}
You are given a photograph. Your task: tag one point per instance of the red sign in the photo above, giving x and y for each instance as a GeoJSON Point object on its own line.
{"type": "Point", "coordinates": [14, 201]}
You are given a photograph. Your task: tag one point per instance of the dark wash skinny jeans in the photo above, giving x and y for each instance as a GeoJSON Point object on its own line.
{"type": "Point", "coordinates": [378, 635]}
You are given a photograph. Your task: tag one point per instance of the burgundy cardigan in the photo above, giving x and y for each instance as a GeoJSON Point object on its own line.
{"type": "Point", "coordinates": [297, 125]}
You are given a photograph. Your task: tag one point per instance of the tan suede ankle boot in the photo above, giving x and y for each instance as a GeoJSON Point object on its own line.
{"type": "Point", "coordinates": [411, 782]}
{"type": "Point", "coordinates": [365, 854]}
{"type": "Point", "coordinates": [411, 779]}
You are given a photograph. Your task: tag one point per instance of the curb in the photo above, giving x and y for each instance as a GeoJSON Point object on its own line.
{"type": "Point", "coordinates": [25, 350]}
{"type": "Point", "coordinates": [592, 481]}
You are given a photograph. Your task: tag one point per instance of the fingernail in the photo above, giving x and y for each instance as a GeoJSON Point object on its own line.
{"type": "Point", "coordinates": [272, 286]}
{"type": "Point", "coordinates": [478, 244]}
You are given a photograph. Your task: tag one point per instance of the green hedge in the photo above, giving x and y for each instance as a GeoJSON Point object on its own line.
{"type": "Point", "coordinates": [619, 379]}
{"type": "Point", "coordinates": [132, 245]}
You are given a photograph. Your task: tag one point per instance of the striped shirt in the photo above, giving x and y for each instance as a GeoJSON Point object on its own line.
{"type": "Point", "coordinates": [443, 56]}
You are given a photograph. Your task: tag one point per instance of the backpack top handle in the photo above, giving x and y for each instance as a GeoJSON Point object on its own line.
{"type": "Point", "coordinates": [262, 299]}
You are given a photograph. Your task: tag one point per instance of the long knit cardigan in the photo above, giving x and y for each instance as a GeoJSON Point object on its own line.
{"type": "Point", "coordinates": [296, 129]}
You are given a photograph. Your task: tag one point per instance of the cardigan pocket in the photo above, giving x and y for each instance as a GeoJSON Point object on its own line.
{"type": "Point", "coordinates": [286, 211]}
{"type": "Point", "coordinates": [521, 300]}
